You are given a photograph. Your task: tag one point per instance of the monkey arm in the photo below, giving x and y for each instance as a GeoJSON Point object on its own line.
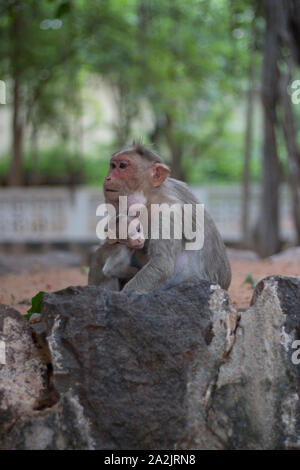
{"type": "Point", "coordinates": [95, 272]}
{"type": "Point", "coordinates": [160, 267]}
{"type": "Point", "coordinates": [96, 276]}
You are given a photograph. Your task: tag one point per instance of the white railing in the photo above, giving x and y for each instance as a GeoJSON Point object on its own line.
{"type": "Point", "coordinates": [50, 214]}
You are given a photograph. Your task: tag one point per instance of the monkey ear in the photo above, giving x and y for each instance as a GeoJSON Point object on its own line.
{"type": "Point", "coordinates": [159, 173]}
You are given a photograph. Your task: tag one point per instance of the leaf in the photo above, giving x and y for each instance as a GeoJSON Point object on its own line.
{"type": "Point", "coordinates": [85, 269]}
{"type": "Point", "coordinates": [36, 305]}
{"type": "Point", "coordinates": [249, 280]}
{"type": "Point", "coordinates": [63, 9]}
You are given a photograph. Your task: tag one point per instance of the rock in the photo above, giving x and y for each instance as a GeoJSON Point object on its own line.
{"type": "Point", "coordinates": [61, 426]}
{"type": "Point", "coordinates": [289, 255]}
{"type": "Point", "coordinates": [23, 374]}
{"type": "Point", "coordinates": [128, 359]}
{"type": "Point", "coordinates": [172, 369]}
{"type": "Point", "coordinates": [35, 318]}
{"type": "Point", "coordinates": [126, 366]}
{"type": "Point", "coordinates": [255, 404]}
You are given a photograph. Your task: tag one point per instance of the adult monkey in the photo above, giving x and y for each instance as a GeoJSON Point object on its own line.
{"type": "Point", "coordinates": [137, 169]}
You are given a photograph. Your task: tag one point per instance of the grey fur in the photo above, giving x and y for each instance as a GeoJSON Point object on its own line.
{"type": "Point", "coordinates": [167, 259]}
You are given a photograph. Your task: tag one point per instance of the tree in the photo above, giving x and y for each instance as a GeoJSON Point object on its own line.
{"type": "Point", "coordinates": [281, 44]}
{"type": "Point", "coordinates": [37, 46]}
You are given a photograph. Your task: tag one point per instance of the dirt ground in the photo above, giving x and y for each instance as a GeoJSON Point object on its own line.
{"type": "Point", "coordinates": [16, 289]}
{"type": "Point", "coordinates": [241, 292]}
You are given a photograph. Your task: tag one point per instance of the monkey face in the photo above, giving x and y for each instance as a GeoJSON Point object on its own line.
{"type": "Point", "coordinates": [136, 238]}
{"type": "Point", "coordinates": [123, 177]}
{"type": "Point", "coordinates": [130, 173]}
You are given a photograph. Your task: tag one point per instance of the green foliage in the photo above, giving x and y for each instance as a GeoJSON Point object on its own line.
{"type": "Point", "coordinates": [85, 270]}
{"type": "Point", "coordinates": [4, 166]}
{"type": "Point", "coordinates": [186, 62]}
{"type": "Point", "coordinates": [95, 170]}
{"type": "Point", "coordinates": [63, 9]}
{"type": "Point", "coordinates": [54, 168]}
{"type": "Point", "coordinates": [52, 162]}
{"type": "Point", "coordinates": [36, 305]}
{"type": "Point", "coordinates": [249, 280]}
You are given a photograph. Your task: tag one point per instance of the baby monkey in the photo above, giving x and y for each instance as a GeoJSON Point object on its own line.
{"type": "Point", "coordinates": [124, 262]}
{"type": "Point", "coordinates": [119, 263]}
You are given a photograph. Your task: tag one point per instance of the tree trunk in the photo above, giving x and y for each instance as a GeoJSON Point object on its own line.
{"type": "Point", "coordinates": [268, 241]}
{"type": "Point", "coordinates": [248, 151]}
{"type": "Point", "coordinates": [175, 149]}
{"type": "Point", "coordinates": [126, 111]}
{"type": "Point", "coordinates": [159, 129]}
{"type": "Point", "coordinates": [293, 151]}
{"type": "Point", "coordinates": [34, 178]}
{"type": "Point", "coordinates": [16, 170]}
{"type": "Point", "coordinates": [282, 44]}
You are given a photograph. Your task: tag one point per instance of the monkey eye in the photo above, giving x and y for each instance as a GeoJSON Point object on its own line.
{"type": "Point", "coordinates": [123, 165]}
{"type": "Point", "coordinates": [113, 165]}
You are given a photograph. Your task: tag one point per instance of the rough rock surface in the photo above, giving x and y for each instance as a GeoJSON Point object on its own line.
{"type": "Point", "coordinates": [173, 369]}
{"type": "Point", "coordinates": [256, 400]}
{"type": "Point", "coordinates": [290, 255]}
{"type": "Point", "coordinates": [23, 372]}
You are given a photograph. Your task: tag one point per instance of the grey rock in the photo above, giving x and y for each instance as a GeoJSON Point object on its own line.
{"type": "Point", "coordinates": [172, 369]}
{"type": "Point", "coordinates": [23, 373]}
{"type": "Point", "coordinates": [255, 404]}
{"type": "Point", "coordinates": [126, 367]}
{"type": "Point", "coordinates": [291, 254]}
{"type": "Point", "coordinates": [58, 427]}
{"type": "Point", "coordinates": [131, 360]}
{"type": "Point", "coordinates": [35, 318]}
{"type": "Point", "coordinates": [39, 329]}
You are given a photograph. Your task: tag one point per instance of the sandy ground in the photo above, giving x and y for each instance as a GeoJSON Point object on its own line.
{"type": "Point", "coordinates": [16, 289]}
{"type": "Point", "coordinates": [241, 292]}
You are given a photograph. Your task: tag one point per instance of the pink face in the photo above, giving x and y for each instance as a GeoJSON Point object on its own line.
{"type": "Point", "coordinates": [130, 173]}
{"type": "Point", "coordinates": [122, 177]}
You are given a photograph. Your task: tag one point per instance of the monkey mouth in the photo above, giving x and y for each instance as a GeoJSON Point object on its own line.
{"type": "Point", "coordinates": [111, 190]}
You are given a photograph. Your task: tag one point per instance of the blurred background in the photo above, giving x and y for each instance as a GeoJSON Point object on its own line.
{"type": "Point", "coordinates": [208, 84]}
